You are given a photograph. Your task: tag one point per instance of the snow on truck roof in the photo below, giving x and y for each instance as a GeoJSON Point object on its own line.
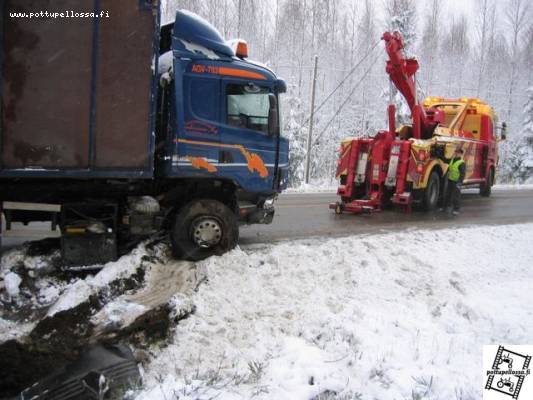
{"type": "Point", "coordinates": [192, 28]}
{"type": "Point", "coordinates": [193, 37]}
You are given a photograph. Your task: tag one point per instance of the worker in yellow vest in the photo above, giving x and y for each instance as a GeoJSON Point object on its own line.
{"type": "Point", "coordinates": [456, 175]}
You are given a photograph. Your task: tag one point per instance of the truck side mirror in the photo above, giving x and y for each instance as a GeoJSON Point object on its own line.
{"type": "Point", "coordinates": [503, 134]}
{"type": "Point", "coordinates": [273, 117]}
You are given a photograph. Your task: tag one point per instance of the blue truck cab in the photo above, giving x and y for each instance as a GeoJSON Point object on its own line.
{"type": "Point", "coordinates": [130, 128]}
{"type": "Point", "coordinates": [225, 111]}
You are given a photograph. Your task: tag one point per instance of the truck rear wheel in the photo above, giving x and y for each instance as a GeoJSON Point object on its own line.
{"type": "Point", "coordinates": [432, 192]}
{"type": "Point", "coordinates": [485, 188]}
{"type": "Point", "coordinates": [204, 228]}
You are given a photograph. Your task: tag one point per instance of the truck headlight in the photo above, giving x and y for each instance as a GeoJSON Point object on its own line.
{"type": "Point", "coordinates": [269, 203]}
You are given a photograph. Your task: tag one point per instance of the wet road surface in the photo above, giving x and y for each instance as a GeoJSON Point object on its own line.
{"type": "Point", "coordinates": [307, 215]}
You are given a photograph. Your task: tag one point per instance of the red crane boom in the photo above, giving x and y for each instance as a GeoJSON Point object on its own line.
{"type": "Point", "coordinates": [402, 72]}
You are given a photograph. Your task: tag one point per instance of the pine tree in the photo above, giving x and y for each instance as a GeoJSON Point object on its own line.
{"type": "Point", "coordinates": [297, 136]}
{"type": "Point", "coordinates": [527, 137]}
{"type": "Point", "coordinates": [518, 167]}
{"type": "Point", "coordinates": [527, 130]}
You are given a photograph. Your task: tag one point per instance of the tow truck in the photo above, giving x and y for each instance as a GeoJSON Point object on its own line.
{"type": "Point", "coordinates": [407, 166]}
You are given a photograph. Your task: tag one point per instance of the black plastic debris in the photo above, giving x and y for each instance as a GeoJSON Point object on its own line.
{"type": "Point", "coordinates": [100, 373]}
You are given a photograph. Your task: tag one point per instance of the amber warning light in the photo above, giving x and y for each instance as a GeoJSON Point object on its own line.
{"type": "Point", "coordinates": [240, 47]}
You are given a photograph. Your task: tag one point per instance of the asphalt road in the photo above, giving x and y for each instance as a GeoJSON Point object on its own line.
{"type": "Point", "coordinates": [307, 215]}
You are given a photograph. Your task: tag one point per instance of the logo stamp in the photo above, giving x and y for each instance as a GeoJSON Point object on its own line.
{"type": "Point", "coordinates": [507, 372]}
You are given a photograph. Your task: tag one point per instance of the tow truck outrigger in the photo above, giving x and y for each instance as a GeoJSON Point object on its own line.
{"type": "Point", "coordinates": [408, 165]}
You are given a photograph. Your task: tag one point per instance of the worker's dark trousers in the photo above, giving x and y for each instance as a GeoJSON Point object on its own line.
{"type": "Point", "coordinates": [453, 196]}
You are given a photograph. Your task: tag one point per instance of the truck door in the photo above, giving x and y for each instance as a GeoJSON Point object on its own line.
{"type": "Point", "coordinates": [247, 149]}
{"type": "Point", "coordinates": [199, 132]}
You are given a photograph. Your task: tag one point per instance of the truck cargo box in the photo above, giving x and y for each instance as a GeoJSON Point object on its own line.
{"type": "Point", "coordinates": [78, 94]}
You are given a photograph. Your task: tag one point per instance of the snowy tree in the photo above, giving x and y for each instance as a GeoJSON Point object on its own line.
{"type": "Point", "coordinates": [527, 130]}
{"type": "Point", "coordinates": [485, 9]}
{"type": "Point", "coordinates": [401, 16]}
{"type": "Point", "coordinates": [430, 42]}
{"type": "Point", "coordinates": [297, 135]}
{"type": "Point", "coordinates": [455, 46]}
{"type": "Point", "coordinates": [527, 60]}
{"type": "Point", "coordinates": [519, 161]}
{"type": "Point", "coordinates": [286, 34]}
{"type": "Point", "coordinates": [516, 15]}
{"type": "Point", "coordinates": [497, 52]}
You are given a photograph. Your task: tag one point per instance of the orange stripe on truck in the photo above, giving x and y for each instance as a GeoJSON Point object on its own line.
{"type": "Point", "coordinates": [201, 163]}
{"type": "Point", "coordinates": [242, 73]}
{"type": "Point", "coordinates": [254, 161]}
{"type": "Point", "coordinates": [226, 71]}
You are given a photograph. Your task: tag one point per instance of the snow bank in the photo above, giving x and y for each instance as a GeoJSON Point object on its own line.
{"type": "Point", "coordinates": [35, 265]}
{"type": "Point", "coordinates": [83, 288]}
{"type": "Point", "coordinates": [12, 282]}
{"type": "Point", "coordinates": [12, 330]}
{"type": "Point", "coordinates": [389, 316]}
{"type": "Point", "coordinates": [117, 314]}
{"type": "Point", "coordinates": [73, 295]}
{"type": "Point", "coordinates": [313, 188]}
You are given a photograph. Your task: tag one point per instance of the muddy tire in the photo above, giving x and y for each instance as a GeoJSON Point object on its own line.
{"type": "Point", "coordinates": [431, 194]}
{"type": "Point", "coordinates": [485, 188]}
{"type": "Point", "coordinates": [203, 228]}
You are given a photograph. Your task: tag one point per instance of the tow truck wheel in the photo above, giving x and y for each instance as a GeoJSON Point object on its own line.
{"type": "Point", "coordinates": [432, 192]}
{"type": "Point", "coordinates": [485, 189]}
{"type": "Point", "coordinates": [204, 228]}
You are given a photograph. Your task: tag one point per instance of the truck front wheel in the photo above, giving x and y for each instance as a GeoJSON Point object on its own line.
{"type": "Point", "coordinates": [204, 228]}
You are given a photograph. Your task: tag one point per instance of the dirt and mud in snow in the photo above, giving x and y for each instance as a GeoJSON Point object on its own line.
{"type": "Point", "coordinates": [48, 317]}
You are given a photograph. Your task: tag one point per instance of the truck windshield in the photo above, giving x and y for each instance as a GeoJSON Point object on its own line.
{"type": "Point", "coordinates": [247, 107]}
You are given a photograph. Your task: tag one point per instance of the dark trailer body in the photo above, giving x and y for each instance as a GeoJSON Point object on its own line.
{"type": "Point", "coordinates": [78, 94]}
{"type": "Point", "coordinates": [97, 136]}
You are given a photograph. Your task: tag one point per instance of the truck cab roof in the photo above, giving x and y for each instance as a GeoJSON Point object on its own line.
{"type": "Point", "coordinates": [473, 103]}
{"type": "Point", "coordinates": [193, 38]}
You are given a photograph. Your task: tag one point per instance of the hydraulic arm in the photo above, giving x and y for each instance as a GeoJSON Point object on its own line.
{"type": "Point", "coordinates": [402, 72]}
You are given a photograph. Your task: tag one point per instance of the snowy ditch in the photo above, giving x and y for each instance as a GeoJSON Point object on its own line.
{"type": "Point", "coordinates": [49, 318]}
{"type": "Point", "coordinates": [386, 316]}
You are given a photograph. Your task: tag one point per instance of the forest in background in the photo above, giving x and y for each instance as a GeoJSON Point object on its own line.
{"type": "Point", "coordinates": [486, 53]}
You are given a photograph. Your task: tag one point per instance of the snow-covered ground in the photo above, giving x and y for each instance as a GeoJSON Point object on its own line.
{"type": "Point", "coordinates": [400, 315]}
{"type": "Point", "coordinates": [390, 316]}
{"type": "Point", "coordinates": [313, 188]}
